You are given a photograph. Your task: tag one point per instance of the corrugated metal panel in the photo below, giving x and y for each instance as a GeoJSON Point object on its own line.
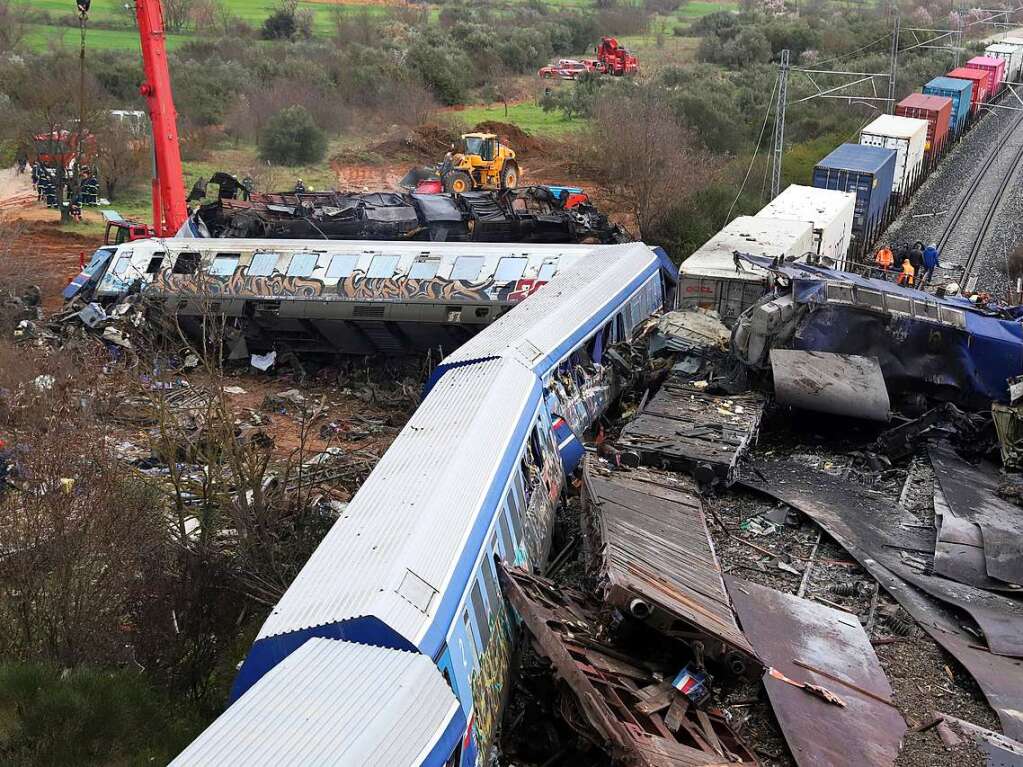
{"type": "Point", "coordinates": [416, 509]}
{"type": "Point", "coordinates": [547, 317]}
{"type": "Point", "coordinates": [857, 158]}
{"type": "Point", "coordinates": [829, 211]}
{"type": "Point", "coordinates": [749, 234]}
{"type": "Point", "coordinates": [332, 703]}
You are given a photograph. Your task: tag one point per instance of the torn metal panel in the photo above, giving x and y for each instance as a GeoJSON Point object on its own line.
{"type": "Point", "coordinates": [657, 560]}
{"type": "Point", "coordinates": [959, 554]}
{"type": "Point", "coordinates": [814, 493]}
{"type": "Point", "coordinates": [628, 710]}
{"type": "Point", "coordinates": [972, 494]}
{"type": "Point", "coordinates": [1000, 750]}
{"type": "Point", "coordinates": [684, 428]}
{"type": "Point", "coordinates": [794, 636]}
{"type": "Point", "coordinates": [839, 384]}
{"type": "Point", "coordinates": [855, 516]}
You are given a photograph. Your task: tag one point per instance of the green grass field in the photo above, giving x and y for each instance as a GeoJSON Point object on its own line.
{"type": "Point", "coordinates": [528, 116]}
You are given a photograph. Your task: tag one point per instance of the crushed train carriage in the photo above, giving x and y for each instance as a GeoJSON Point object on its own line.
{"type": "Point", "coordinates": [409, 570]}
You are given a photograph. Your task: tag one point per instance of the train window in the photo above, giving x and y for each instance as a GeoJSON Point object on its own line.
{"type": "Point", "coordinates": [547, 272]}
{"type": "Point", "coordinates": [470, 638]}
{"type": "Point", "coordinates": [490, 582]}
{"type": "Point", "coordinates": [424, 270]}
{"type": "Point", "coordinates": [382, 267]}
{"type": "Point", "coordinates": [516, 518]}
{"type": "Point", "coordinates": [186, 263]}
{"type": "Point", "coordinates": [479, 609]}
{"type": "Point", "coordinates": [224, 264]}
{"type": "Point", "coordinates": [467, 268]}
{"type": "Point", "coordinates": [519, 485]}
{"type": "Point", "coordinates": [506, 541]}
{"type": "Point", "coordinates": [302, 265]}
{"type": "Point", "coordinates": [155, 263]}
{"type": "Point", "coordinates": [263, 265]}
{"type": "Point", "coordinates": [341, 265]}
{"type": "Point", "coordinates": [510, 269]}
{"type": "Point", "coordinates": [122, 265]}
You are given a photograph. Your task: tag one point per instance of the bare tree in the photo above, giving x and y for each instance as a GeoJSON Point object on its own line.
{"type": "Point", "coordinates": [177, 14]}
{"type": "Point", "coordinates": [653, 162]}
{"type": "Point", "coordinates": [12, 27]}
{"type": "Point", "coordinates": [122, 156]}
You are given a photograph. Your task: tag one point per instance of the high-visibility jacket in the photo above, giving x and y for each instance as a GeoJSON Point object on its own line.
{"type": "Point", "coordinates": [884, 258]}
{"type": "Point", "coordinates": [908, 273]}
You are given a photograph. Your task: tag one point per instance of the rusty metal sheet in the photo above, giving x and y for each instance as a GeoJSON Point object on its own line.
{"type": "Point", "coordinates": [683, 427]}
{"type": "Point", "coordinates": [1000, 678]}
{"type": "Point", "coordinates": [657, 560]}
{"type": "Point", "coordinates": [613, 694]}
{"type": "Point", "coordinates": [790, 634]}
{"type": "Point", "coordinates": [959, 554]}
{"type": "Point", "coordinates": [1000, 750]}
{"type": "Point", "coordinates": [860, 519]}
{"type": "Point", "coordinates": [838, 384]}
{"type": "Point", "coordinates": [972, 494]}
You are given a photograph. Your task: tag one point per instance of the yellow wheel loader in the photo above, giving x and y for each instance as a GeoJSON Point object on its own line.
{"type": "Point", "coordinates": [481, 162]}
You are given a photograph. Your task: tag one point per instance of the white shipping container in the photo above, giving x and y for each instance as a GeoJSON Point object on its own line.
{"type": "Point", "coordinates": [1013, 55]}
{"type": "Point", "coordinates": [908, 137]}
{"type": "Point", "coordinates": [709, 278]}
{"type": "Point", "coordinates": [829, 212]}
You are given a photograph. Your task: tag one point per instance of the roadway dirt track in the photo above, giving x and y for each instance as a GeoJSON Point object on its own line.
{"type": "Point", "coordinates": [40, 253]}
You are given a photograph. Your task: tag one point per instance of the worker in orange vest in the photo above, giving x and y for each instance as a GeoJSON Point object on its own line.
{"type": "Point", "coordinates": [907, 274]}
{"type": "Point", "coordinates": [884, 260]}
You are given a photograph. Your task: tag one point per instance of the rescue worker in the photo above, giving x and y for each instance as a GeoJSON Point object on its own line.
{"type": "Point", "coordinates": [22, 160]}
{"type": "Point", "coordinates": [916, 256]}
{"type": "Point", "coordinates": [299, 187]}
{"type": "Point", "coordinates": [448, 162]}
{"type": "Point", "coordinates": [930, 262]}
{"type": "Point", "coordinates": [884, 260]}
{"type": "Point", "coordinates": [907, 274]}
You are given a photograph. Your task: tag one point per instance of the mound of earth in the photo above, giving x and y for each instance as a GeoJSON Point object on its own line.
{"type": "Point", "coordinates": [512, 136]}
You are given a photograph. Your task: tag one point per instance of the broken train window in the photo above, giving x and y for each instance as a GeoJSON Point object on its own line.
{"type": "Point", "coordinates": [122, 264]}
{"type": "Point", "coordinates": [186, 263]}
{"type": "Point", "coordinates": [263, 265]}
{"type": "Point", "coordinates": [155, 263]}
{"type": "Point", "coordinates": [224, 264]}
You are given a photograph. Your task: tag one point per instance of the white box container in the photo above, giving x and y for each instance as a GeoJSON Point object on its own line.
{"type": "Point", "coordinates": [709, 278]}
{"type": "Point", "coordinates": [1013, 55]}
{"type": "Point", "coordinates": [907, 136]}
{"type": "Point", "coordinates": [829, 212]}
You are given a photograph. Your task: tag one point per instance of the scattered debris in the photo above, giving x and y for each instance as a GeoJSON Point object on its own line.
{"type": "Point", "coordinates": [848, 718]}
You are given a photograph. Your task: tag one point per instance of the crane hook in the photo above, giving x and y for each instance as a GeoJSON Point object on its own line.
{"type": "Point", "coordinates": [83, 7]}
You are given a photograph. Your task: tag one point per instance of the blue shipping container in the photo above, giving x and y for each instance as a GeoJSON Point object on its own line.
{"type": "Point", "coordinates": [868, 171]}
{"type": "Point", "coordinates": [961, 93]}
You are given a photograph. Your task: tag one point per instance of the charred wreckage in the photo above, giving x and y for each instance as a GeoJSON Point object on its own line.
{"type": "Point", "coordinates": [533, 214]}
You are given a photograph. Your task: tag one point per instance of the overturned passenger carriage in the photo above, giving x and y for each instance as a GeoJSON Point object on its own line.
{"type": "Point", "coordinates": [348, 297]}
{"type": "Point", "coordinates": [393, 645]}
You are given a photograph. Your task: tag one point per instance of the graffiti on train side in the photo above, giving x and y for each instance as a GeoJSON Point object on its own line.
{"type": "Point", "coordinates": [488, 681]}
{"type": "Point", "coordinates": [355, 287]}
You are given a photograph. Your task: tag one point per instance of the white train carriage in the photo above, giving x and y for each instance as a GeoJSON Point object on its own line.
{"type": "Point", "coordinates": [343, 296]}
{"type": "Point", "coordinates": [409, 570]}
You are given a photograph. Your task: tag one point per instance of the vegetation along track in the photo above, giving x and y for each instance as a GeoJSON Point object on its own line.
{"type": "Point", "coordinates": [968, 225]}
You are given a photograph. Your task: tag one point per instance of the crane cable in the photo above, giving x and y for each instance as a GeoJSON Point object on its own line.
{"type": "Point", "coordinates": [83, 17]}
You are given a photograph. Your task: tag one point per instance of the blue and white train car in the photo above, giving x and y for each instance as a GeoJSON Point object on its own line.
{"type": "Point", "coordinates": [409, 570]}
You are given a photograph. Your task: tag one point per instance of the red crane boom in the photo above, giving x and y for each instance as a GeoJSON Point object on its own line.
{"type": "Point", "coordinates": [169, 207]}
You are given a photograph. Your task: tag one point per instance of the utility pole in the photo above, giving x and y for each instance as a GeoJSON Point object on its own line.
{"type": "Point", "coordinates": [779, 123]}
{"type": "Point", "coordinates": [958, 37]}
{"type": "Point", "coordinates": [894, 69]}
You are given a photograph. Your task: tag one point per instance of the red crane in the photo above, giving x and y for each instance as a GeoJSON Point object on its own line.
{"type": "Point", "coordinates": [169, 207]}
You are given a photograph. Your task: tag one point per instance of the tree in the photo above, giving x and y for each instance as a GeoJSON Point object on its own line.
{"type": "Point", "coordinates": [12, 26]}
{"type": "Point", "coordinates": [122, 157]}
{"type": "Point", "coordinates": [291, 137]}
{"type": "Point", "coordinates": [177, 14]}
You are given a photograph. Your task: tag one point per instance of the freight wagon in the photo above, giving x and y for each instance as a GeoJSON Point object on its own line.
{"type": "Point", "coordinates": [995, 67]}
{"type": "Point", "coordinates": [828, 211]}
{"type": "Point", "coordinates": [908, 137]}
{"type": "Point", "coordinates": [961, 93]}
{"type": "Point", "coordinates": [981, 90]}
{"type": "Point", "coordinates": [711, 278]}
{"type": "Point", "coordinates": [1011, 54]}
{"type": "Point", "coordinates": [868, 172]}
{"type": "Point", "coordinates": [937, 110]}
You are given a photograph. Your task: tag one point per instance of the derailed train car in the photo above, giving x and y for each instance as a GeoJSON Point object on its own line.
{"type": "Point", "coordinates": [393, 644]}
{"type": "Point", "coordinates": [336, 296]}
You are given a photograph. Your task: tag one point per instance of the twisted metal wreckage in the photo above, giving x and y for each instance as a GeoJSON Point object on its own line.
{"type": "Point", "coordinates": [530, 214]}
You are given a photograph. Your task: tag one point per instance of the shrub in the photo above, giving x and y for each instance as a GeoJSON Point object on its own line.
{"type": "Point", "coordinates": [291, 137]}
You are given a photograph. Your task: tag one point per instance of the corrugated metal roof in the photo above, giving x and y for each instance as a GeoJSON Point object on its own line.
{"type": "Point", "coordinates": [769, 237]}
{"type": "Point", "coordinates": [925, 101]}
{"type": "Point", "coordinates": [416, 509]}
{"type": "Point", "coordinates": [858, 158]}
{"type": "Point", "coordinates": [896, 127]}
{"type": "Point", "coordinates": [549, 316]}
{"type": "Point", "coordinates": [332, 703]}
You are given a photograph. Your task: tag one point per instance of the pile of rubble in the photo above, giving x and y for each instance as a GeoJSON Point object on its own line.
{"type": "Point", "coordinates": [763, 584]}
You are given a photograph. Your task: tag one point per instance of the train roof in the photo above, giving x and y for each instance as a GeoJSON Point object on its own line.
{"type": "Point", "coordinates": [336, 703]}
{"type": "Point", "coordinates": [380, 573]}
{"type": "Point", "coordinates": [555, 318]}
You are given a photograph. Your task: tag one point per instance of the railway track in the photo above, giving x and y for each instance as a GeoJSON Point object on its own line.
{"type": "Point", "coordinates": [966, 232]}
